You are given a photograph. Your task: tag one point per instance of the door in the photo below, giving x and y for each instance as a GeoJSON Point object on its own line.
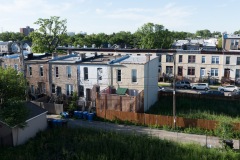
{"type": "Point", "coordinates": [227, 73]}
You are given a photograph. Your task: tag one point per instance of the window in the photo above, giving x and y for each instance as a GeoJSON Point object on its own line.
{"type": "Point", "coordinates": [16, 67]}
{"type": "Point", "coordinates": [169, 58]}
{"type": "Point", "coordinates": [69, 89]}
{"type": "Point", "coordinates": [30, 70]}
{"type": "Point", "coordinates": [169, 69]}
{"type": "Point", "coordinates": [99, 73]}
{"type": "Point", "coordinates": [191, 59]}
{"type": "Point", "coordinates": [53, 88]}
{"type": "Point", "coordinates": [69, 71]}
{"type": "Point", "coordinates": [56, 72]}
{"type": "Point", "coordinates": [214, 72]}
{"type": "Point", "coordinates": [191, 71]}
{"type": "Point", "coordinates": [59, 90]}
{"type": "Point", "coordinates": [238, 60]}
{"type": "Point", "coordinates": [85, 72]}
{"type": "Point", "coordinates": [180, 59]}
{"type": "Point", "coordinates": [203, 59]}
{"type": "Point", "coordinates": [134, 75]}
{"type": "Point", "coordinates": [228, 60]}
{"type": "Point", "coordinates": [160, 58]}
{"type": "Point", "coordinates": [237, 73]}
{"type": "Point", "coordinates": [119, 75]}
{"type": "Point", "coordinates": [215, 59]}
{"type": "Point", "coordinates": [41, 71]}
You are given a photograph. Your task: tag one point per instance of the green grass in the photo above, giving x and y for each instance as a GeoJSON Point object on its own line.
{"type": "Point", "coordinates": [86, 144]}
{"type": "Point", "coordinates": [210, 109]}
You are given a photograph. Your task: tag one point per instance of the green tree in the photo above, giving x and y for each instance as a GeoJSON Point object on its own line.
{"type": "Point", "coordinates": [12, 95]}
{"type": "Point", "coordinates": [10, 82]}
{"type": "Point", "coordinates": [153, 36]}
{"type": "Point", "coordinates": [49, 35]}
{"type": "Point", "coordinates": [11, 36]}
{"type": "Point", "coordinates": [204, 33]}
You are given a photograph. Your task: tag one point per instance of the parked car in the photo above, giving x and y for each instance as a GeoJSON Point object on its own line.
{"type": "Point", "coordinates": [183, 84]}
{"type": "Point", "coordinates": [203, 86]}
{"type": "Point", "coordinates": [161, 88]}
{"type": "Point", "coordinates": [212, 92]}
{"type": "Point", "coordinates": [228, 88]}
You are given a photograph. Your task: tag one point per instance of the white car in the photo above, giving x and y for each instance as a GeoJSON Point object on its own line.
{"type": "Point", "coordinates": [228, 88]}
{"type": "Point", "coordinates": [203, 86]}
{"type": "Point", "coordinates": [160, 88]}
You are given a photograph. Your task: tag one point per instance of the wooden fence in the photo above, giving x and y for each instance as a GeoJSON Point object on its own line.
{"type": "Point", "coordinates": [158, 120]}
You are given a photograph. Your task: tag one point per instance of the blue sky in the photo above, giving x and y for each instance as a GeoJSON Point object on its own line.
{"type": "Point", "coordinates": [108, 16]}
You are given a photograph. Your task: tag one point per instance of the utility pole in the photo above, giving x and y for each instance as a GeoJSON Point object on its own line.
{"type": "Point", "coordinates": [174, 90]}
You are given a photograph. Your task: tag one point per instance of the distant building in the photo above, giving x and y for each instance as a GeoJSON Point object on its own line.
{"type": "Point", "coordinates": [26, 31]}
{"type": "Point", "coordinates": [230, 42]}
{"type": "Point", "coordinates": [71, 34]}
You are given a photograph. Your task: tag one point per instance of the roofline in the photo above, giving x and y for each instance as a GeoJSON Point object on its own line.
{"type": "Point", "coordinates": [117, 50]}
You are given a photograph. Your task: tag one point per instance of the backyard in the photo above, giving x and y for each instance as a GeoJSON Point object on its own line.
{"type": "Point", "coordinates": [79, 143]}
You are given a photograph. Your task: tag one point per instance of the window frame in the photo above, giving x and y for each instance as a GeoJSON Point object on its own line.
{"type": "Point", "coordinates": [85, 73]}
{"type": "Point", "coordinates": [180, 58]}
{"type": "Point", "coordinates": [227, 60]}
{"type": "Point", "coordinates": [191, 71]}
{"type": "Point", "coordinates": [69, 71]}
{"type": "Point", "coordinates": [119, 75]}
{"type": "Point", "coordinates": [41, 70]}
{"type": "Point", "coordinates": [191, 59]}
{"type": "Point", "coordinates": [203, 59]}
{"type": "Point", "coordinates": [56, 71]}
{"type": "Point", "coordinates": [214, 72]}
{"type": "Point", "coordinates": [215, 60]}
{"type": "Point", "coordinates": [134, 75]}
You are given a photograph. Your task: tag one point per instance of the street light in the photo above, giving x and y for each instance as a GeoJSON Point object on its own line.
{"type": "Point", "coordinates": [174, 90]}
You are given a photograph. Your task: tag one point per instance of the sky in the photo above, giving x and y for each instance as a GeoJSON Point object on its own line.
{"type": "Point", "coordinates": [108, 16]}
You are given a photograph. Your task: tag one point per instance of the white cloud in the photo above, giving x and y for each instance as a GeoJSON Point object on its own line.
{"type": "Point", "coordinates": [99, 11]}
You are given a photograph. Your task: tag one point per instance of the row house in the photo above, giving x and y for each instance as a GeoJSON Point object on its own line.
{"type": "Point", "coordinates": [87, 73]}
{"type": "Point", "coordinates": [230, 42]}
{"type": "Point", "coordinates": [199, 65]}
{"type": "Point", "coordinates": [81, 73]}
{"type": "Point", "coordinates": [137, 73]}
{"type": "Point", "coordinates": [12, 61]}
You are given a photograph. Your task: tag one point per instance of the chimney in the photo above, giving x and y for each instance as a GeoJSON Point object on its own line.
{"type": "Point", "coordinates": [54, 55]}
{"type": "Point", "coordinates": [83, 56]}
{"type": "Point", "coordinates": [148, 57]}
{"type": "Point", "coordinates": [69, 51]}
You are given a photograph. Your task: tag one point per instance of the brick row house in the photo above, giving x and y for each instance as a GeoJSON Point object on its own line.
{"type": "Point", "coordinates": [87, 73]}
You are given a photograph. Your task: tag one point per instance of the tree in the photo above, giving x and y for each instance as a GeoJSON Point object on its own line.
{"type": "Point", "coordinates": [10, 82]}
{"type": "Point", "coordinates": [11, 36]}
{"type": "Point", "coordinates": [237, 32]}
{"type": "Point", "coordinates": [153, 36]}
{"type": "Point", "coordinates": [204, 33]}
{"type": "Point", "coordinates": [12, 95]}
{"type": "Point", "coordinates": [49, 35]}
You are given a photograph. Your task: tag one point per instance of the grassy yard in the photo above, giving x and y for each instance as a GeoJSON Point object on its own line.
{"type": "Point", "coordinates": [85, 144]}
{"type": "Point", "coordinates": [198, 108]}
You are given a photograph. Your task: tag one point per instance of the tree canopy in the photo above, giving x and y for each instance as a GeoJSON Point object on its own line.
{"type": "Point", "coordinates": [11, 36]}
{"type": "Point", "coordinates": [12, 95]}
{"type": "Point", "coordinates": [50, 34]}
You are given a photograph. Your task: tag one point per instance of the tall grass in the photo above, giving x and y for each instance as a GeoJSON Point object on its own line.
{"type": "Point", "coordinates": [88, 144]}
{"type": "Point", "coordinates": [198, 108]}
